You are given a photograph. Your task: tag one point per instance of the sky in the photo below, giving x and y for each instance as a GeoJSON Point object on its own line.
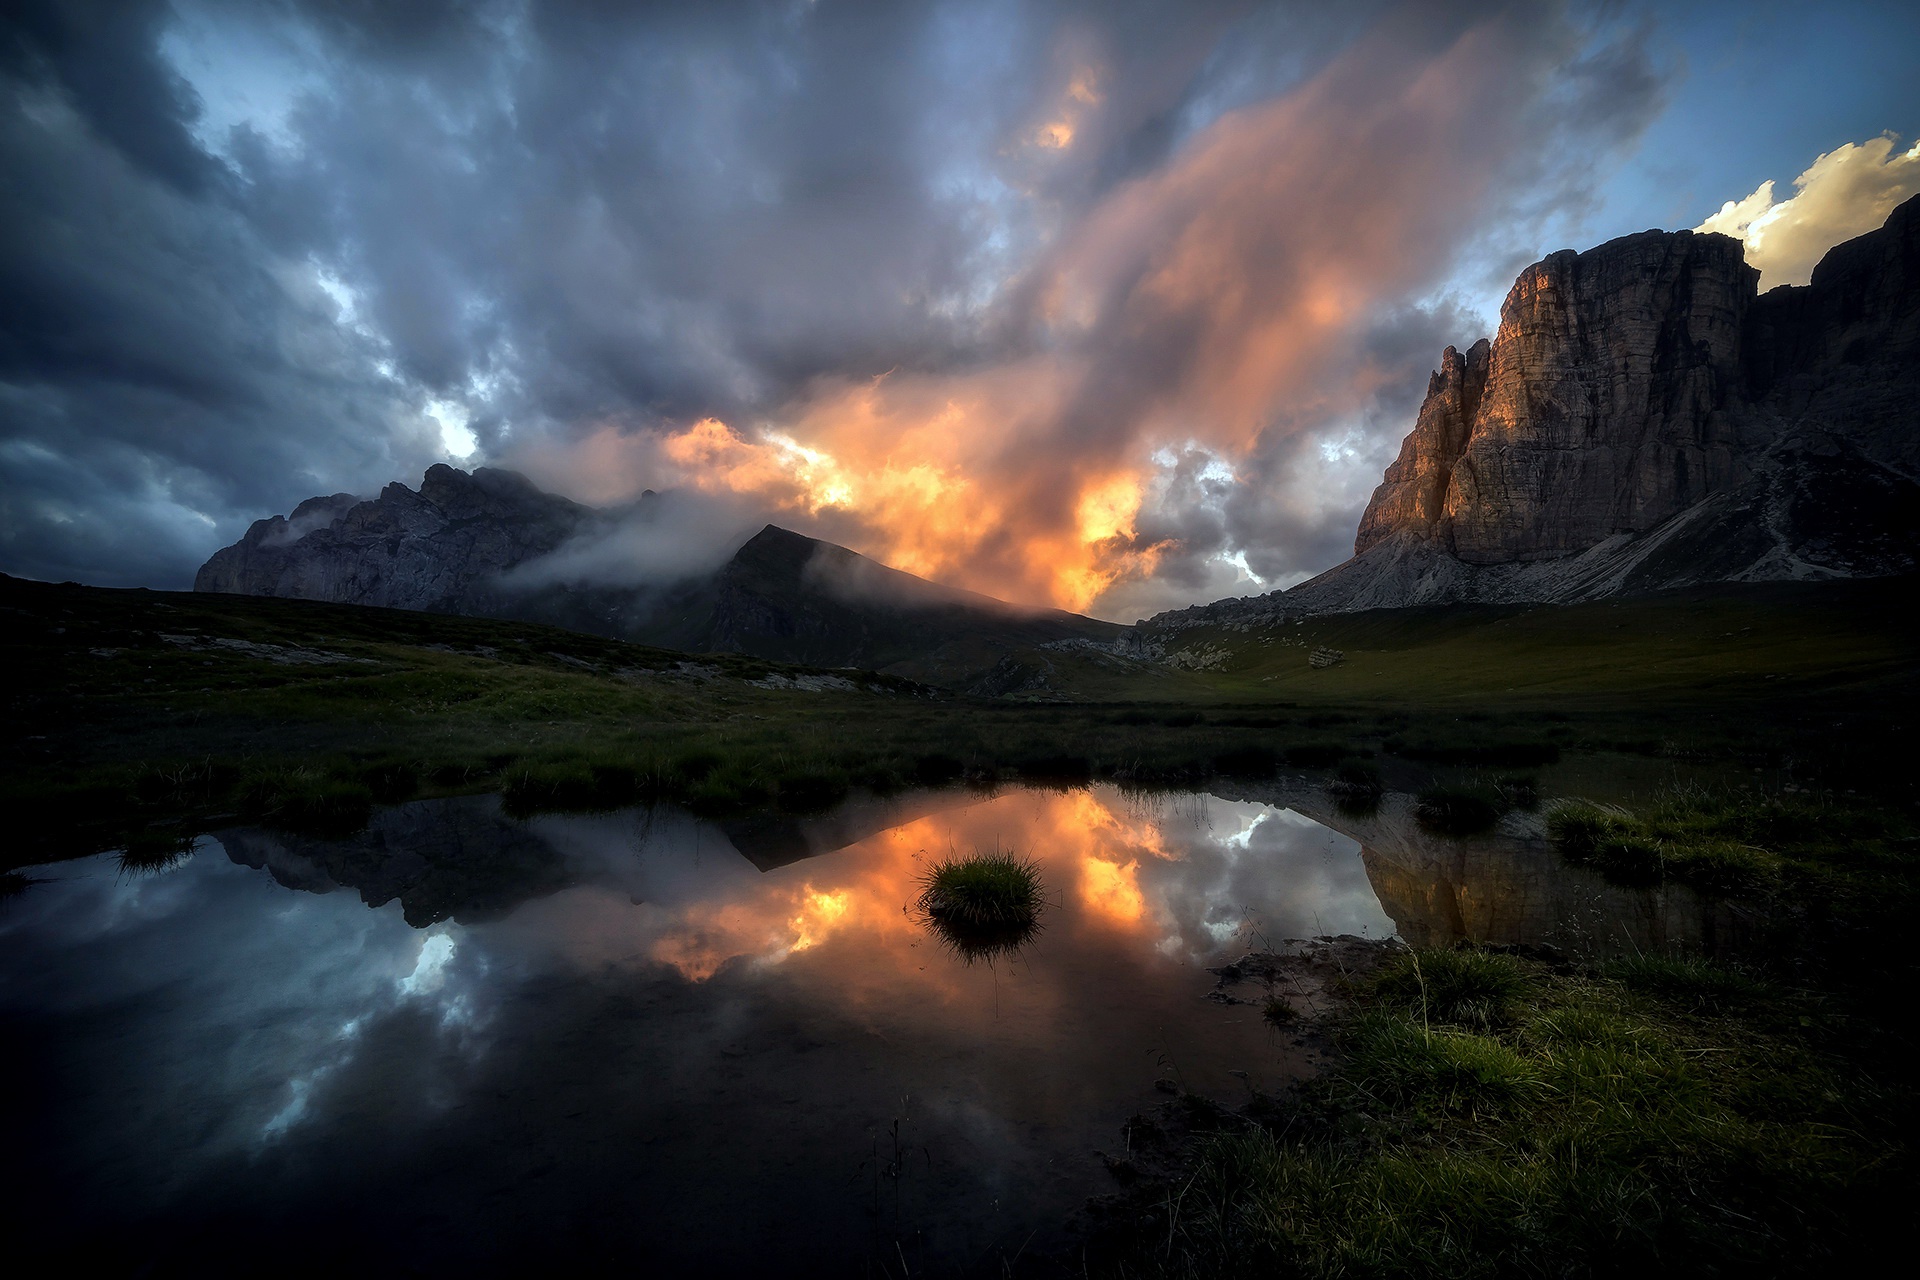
{"type": "Point", "coordinates": [1115, 307]}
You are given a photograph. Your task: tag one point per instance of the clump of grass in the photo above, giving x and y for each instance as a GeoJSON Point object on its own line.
{"type": "Point", "coordinates": [1457, 811]}
{"type": "Point", "coordinates": [1689, 981]}
{"type": "Point", "coordinates": [301, 798]}
{"type": "Point", "coordinates": [986, 891]}
{"type": "Point", "coordinates": [981, 907]}
{"type": "Point", "coordinates": [1518, 792]}
{"type": "Point", "coordinates": [1357, 788]}
{"type": "Point", "coordinates": [1607, 840]}
{"type": "Point", "coordinates": [1467, 987]}
{"type": "Point", "coordinates": [735, 785]}
{"type": "Point", "coordinates": [152, 851]}
{"type": "Point", "coordinates": [392, 781]}
{"type": "Point", "coordinates": [1395, 1059]}
{"type": "Point", "coordinates": [569, 785]}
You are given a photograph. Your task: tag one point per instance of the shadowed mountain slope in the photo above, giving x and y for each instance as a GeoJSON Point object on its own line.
{"type": "Point", "coordinates": [474, 545]}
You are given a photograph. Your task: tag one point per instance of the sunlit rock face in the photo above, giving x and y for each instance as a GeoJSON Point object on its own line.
{"type": "Point", "coordinates": [1413, 497]}
{"type": "Point", "coordinates": [1643, 420]}
{"type": "Point", "coordinates": [1605, 408]}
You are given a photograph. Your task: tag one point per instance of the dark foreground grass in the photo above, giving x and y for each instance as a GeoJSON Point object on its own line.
{"type": "Point", "coordinates": [1747, 843]}
{"type": "Point", "coordinates": [1493, 1116]}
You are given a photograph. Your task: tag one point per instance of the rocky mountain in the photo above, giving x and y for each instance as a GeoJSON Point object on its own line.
{"type": "Point", "coordinates": [1645, 419]}
{"type": "Point", "coordinates": [474, 544]}
{"type": "Point", "coordinates": [441, 549]}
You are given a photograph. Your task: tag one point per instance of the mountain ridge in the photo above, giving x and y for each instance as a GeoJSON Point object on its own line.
{"type": "Point", "coordinates": [474, 543]}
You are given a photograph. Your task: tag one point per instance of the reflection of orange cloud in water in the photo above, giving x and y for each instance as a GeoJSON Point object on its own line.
{"type": "Point", "coordinates": [819, 913]}
{"type": "Point", "coordinates": [770, 929]}
{"type": "Point", "coordinates": [1112, 889]}
{"type": "Point", "coordinates": [856, 897]}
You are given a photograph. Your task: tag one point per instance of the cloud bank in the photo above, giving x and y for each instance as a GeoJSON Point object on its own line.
{"type": "Point", "coordinates": [1109, 307]}
{"type": "Point", "coordinates": [1846, 192]}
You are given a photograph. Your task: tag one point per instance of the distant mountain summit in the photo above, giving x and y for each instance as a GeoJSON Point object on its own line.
{"type": "Point", "coordinates": [473, 544]}
{"type": "Point", "coordinates": [1644, 419]}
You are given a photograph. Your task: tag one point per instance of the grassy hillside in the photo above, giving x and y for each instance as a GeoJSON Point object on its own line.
{"type": "Point", "coordinates": [1749, 640]}
{"type": "Point", "coordinates": [146, 715]}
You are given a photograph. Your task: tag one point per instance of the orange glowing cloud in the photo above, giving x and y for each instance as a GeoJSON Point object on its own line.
{"type": "Point", "coordinates": [1219, 302]}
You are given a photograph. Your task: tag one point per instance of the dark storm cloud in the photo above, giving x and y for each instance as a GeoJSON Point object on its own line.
{"type": "Point", "coordinates": [249, 248]}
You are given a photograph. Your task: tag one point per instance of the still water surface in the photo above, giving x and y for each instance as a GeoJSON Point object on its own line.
{"type": "Point", "coordinates": [458, 1041]}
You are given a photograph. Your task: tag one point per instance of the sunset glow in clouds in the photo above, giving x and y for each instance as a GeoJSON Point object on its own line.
{"type": "Point", "coordinates": [1109, 311]}
{"type": "Point", "coordinates": [1215, 308]}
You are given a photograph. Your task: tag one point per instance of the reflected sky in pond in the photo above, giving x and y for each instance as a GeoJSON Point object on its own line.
{"type": "Point", "coordinates": [647, 1040]}
{"type": "Point", "coordinates": [636, 1036]}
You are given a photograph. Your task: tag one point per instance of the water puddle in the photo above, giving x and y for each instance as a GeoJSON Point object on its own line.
{"type": "Point", "coordinates": [461, 1040]}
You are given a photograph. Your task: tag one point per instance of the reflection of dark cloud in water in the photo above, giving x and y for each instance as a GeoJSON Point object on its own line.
{"type": "Point", "coordinates": [630, 1045]}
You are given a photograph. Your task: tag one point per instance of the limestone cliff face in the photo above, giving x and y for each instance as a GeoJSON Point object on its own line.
{"type": "Point", "coordinates": [442, 548]}
{"type": "Point", "coordinates": [1413, 498]}
{"type": "Point", "coordinates": [1605, 409]}
{"type": "Point", "coordinates": [1643, 419]}
{"type": "Point", "coordinates": [1601, 407]}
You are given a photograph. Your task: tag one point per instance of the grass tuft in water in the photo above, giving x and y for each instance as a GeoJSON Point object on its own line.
{"type": "Point", "coordinates": [155, 850]}
{"type": "Point", "coordinates": [1357, 788]}
{"type": "Point", "coordinates": [987, 891]}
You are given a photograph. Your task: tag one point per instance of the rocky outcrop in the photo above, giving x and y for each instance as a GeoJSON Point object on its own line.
{"type": "Point", "coordinates": [1644, 420]}
{"type": "Point", "coordinates": [442, 549]}
{"type": "Point", "coordinates": [1413, 497]}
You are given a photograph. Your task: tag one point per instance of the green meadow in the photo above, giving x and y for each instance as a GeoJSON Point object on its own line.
{"type": "Point", "coordinates": [137, 711]}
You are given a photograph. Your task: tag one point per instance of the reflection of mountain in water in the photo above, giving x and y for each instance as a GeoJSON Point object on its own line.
{"type": "Point", "coordinates": [463, 859]}
{"type": "Point", "coordinates": [458, 858]}
{"type": "Point", "coordinates": [1511, 886]}
{"type": "Point", "coordinates": [770, 840]}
